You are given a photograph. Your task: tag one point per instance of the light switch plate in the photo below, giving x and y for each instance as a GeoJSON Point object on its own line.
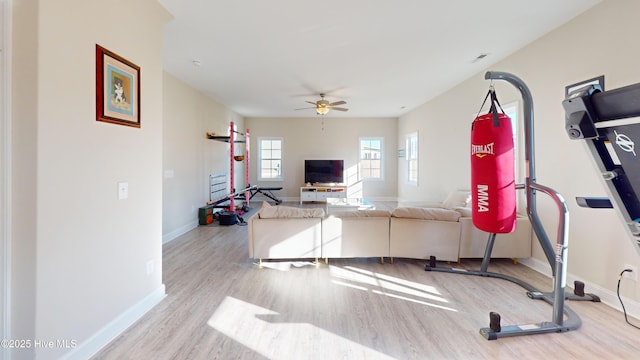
{"type": "Point", "coordinates": [150, 267]}
{"type": "Point", "coordinates": [123, 190]}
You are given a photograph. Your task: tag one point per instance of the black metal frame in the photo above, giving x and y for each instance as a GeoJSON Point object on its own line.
{"type": "Point", "coordinates": [609, 122]}
{"type": "Point", "coordinates": [266, 191]}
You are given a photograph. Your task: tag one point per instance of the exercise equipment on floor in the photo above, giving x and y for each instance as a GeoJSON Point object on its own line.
{"type": "Point", "coordinates": [609, 123]}
{"type": "Point", "coordinates": [218, 195]}
{"type": "Point", "coordinates": [557, 261]}
{"type": "Point", "coordinates": [266, 191]}
{"type": "Point", "coordinates": [493, 191]}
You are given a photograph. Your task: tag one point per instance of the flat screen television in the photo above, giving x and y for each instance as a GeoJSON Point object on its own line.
{"type": "Point", "coordinates": [324, 171]}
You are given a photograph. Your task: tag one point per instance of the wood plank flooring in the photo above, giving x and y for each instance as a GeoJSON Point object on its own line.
{"type": "Point", "coordinates": [220, 305]}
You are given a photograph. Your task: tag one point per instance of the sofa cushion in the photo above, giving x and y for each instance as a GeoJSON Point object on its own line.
{"type": "Point", "coordinates": [464, 211]}
{"type": "Point", "coordinates": [458, 198]}
{"type": "Point", "coordinates": [421, 204]}
{"type": "Point", "coordinates": [361, 213]}
{"type": "Point", "coordinates": [426, 213]}
{"type": "Point", "coordinates": [278, 212]}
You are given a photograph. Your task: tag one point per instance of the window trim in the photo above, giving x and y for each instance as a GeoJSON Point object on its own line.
{"type": "Point", "coordinates": [514, 108]}
{"type": "Point", "coordinates": [382, 161]}
{"type": "Point", "coordinates": [408, 157]}
{"type": "Point", "coordinates": [259, 162]}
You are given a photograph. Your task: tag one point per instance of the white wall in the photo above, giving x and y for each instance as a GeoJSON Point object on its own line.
{"type": "Point", "coordinates": [599, 42]}
{"type": "Point", "coordinates": [324, 138]}
{"type": "Point", "coordinates": [188, 157]}
{"type": "Point", "coordinates": [80, 255]}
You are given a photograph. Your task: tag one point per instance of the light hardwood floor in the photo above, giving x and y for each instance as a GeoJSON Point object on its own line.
{"type": "Point", "coordinates": [220, 305]}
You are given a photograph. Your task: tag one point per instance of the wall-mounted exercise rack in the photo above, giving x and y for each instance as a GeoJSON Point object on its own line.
{"type": "Point", "coordinates": [232, 139]}
{"type": "Point", "coordinates": [218, 186]}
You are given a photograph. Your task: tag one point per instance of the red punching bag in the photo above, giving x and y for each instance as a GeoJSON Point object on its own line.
{"type": "Point", "coordinates": [493, 192]}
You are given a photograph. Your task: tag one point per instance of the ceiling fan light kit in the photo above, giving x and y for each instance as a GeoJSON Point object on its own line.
{"type": "Point", "coordinates": [322, 106]}
{"type": "Point", "coordinates": [322, 110]}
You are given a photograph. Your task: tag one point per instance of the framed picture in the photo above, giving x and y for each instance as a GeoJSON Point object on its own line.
{"type": "Point", "coordinates": [117, 89]}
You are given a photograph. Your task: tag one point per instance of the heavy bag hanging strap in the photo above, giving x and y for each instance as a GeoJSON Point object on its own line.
{"type": "Point", "coordinates": [493, 109]}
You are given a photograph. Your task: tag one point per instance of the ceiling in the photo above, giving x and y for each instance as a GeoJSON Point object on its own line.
{"type": "Point", "coordinates": [384, 58]}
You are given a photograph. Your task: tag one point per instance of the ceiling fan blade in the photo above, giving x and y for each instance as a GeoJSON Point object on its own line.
{"type": "Point", "coordinates": [322, 103]}
{"type": "Point", "coordinates": [305, 108]}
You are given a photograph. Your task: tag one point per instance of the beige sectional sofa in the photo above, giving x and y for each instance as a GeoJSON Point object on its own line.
{"type": "Point", "coordinates": [281, 232]}
{"type": "Point", "coordinates": [423, 232]}
{"type": "Point", "coordinates": [358, 233]}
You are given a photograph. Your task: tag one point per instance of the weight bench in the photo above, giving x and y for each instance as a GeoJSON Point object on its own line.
{"type": "Point", "coordinates": [236, 195]}
{"type": "Point", "coordinates": [266, 191]}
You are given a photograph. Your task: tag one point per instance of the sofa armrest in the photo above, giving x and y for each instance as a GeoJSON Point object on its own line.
{"type": "Point", "coordinates": [250, 234]}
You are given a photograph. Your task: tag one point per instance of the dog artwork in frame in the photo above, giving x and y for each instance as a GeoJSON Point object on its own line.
{"type": "Point", "coordinates": [117, 89]}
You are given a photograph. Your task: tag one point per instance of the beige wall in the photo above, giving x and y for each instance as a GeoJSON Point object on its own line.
{"type": "Point", "coordinates": [80, 255]}
{"type": "Point", "coordinates": [188, 157]}
{"type": "Point", "coordinates": [24, 174]}
{"type": "Point", "coordinates": [599, 42]}
{"type": "Point", "coordinates": [326, 138]}
{"type": "Point", "coordinates": [4, 163]}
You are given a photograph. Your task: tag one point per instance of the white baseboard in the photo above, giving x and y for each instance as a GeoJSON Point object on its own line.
{"type": "Point", "coordinates": [179, 231]}
{"type": "Point", "coordinates": [117, 326]}
{"type": "Point", "coordinates": [607, 297]}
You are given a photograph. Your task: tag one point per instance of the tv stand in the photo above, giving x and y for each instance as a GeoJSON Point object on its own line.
{"type": "Point", "coordinates": [321, 193]}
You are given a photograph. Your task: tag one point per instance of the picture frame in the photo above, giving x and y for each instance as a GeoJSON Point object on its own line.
{"type": "Point", "coordinates": [117, 89]}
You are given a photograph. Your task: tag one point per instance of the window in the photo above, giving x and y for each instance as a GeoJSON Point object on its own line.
{"type": "Point", "coordinates": [270, 159]}
{"type": "Point", "coordinates": [512, 112]}
{"type": "Point", "coordinates": [412, 158]}
{"type": "Point", "coordinates": [371, 158]}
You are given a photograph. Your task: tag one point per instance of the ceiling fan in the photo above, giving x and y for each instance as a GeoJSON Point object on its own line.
{"type": "Point", "coordinates": [323, 106]}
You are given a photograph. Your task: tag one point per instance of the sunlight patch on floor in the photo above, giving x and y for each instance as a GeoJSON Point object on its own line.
{"type": "Point", "coordinates": [265, 332]}
{"type": "Point", "coordinates": [414, 300]}
{"type": "Point", "coordinates": [412, 284]}
{"type": "Point", "coordinates": [388, 285]}
{"type": "Point", "coordinates": [342, 283]}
